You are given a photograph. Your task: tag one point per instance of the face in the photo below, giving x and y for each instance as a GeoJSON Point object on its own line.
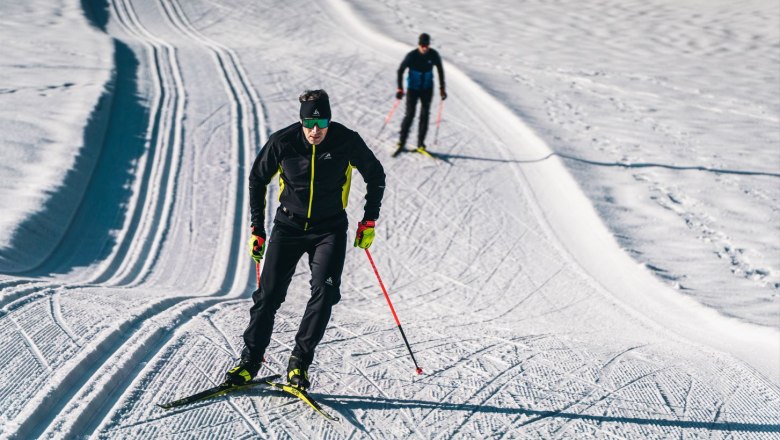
{"type": "Point", "coordinates": [422, 48]}
{"type": "Point", "coordinates": [315, 135]}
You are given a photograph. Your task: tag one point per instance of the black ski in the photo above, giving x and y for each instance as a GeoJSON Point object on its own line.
{"type": "Point", "coordinates": [218, 390]}
{"type": "Point", "coordinates": [304, 396]}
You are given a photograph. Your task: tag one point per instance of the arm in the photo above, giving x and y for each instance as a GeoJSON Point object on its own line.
{"type": "Point", "coordinates": [263, 170]}
{"type": "Point", "coordinates": [373, 174]}
{"type": "Point", "coordinates": [401, 69]}
{"type": "Point", "coordinates": [440, 70]}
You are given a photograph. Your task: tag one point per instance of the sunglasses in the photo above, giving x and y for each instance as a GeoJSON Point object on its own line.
{"type": "Point", "coordinates": [310, 123]}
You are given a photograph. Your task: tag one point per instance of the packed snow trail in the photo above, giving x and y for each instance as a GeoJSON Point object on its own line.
{"type": "Point", "coordinates": [665, 113]}
{"type": "Point", "coordinates": [516, 337]}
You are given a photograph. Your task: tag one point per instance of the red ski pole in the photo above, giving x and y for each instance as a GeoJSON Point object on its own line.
{"type": "Point", "coordinates": [257, 271]}
{"type": "Point", "coordinates": [392, 310]}
{"type": "Point", "coordinates": [389, 116]}
{"type": "Point", "coordinates": [438, 123]}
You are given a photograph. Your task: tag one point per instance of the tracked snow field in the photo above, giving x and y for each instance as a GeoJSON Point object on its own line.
{"type": "Point", "coordinates": [528, 317]}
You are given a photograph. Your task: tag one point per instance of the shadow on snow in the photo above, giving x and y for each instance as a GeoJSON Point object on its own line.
{"type": "Point", "coordinates": [345, 404]}
{"type": "Point", "coordinates": [447, 157]}
{"type": "Point", "coordinates": [94, 195]}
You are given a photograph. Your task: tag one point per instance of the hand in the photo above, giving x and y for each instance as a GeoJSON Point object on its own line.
{"type": "Point", "coordinates": [365, 234]}
{"type": "Point", "coordinates": [399, 94]}
{"type": "Point", "coordinates": [257, 245]}
{"type": "Point", "coordinates": [443, 93]}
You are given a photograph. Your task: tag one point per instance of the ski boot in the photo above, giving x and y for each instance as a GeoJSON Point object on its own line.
{"type": "Point", "coordinates": [399, 147]}
{"type": "Point", "coordinates": [245, 371]}
{"type": "Point", "coordinates": [297, 373]}
{"type": "Point", "coordinates": [422, 148]}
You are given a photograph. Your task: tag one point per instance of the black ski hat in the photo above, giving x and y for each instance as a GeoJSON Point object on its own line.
{"type": "Point", "coordinates": [425, 40]}
{"type": "Point", "coordinates": [317, 109]}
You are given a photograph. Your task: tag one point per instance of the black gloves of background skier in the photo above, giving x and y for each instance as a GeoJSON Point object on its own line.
{"type": "Point", "coordinates": [257, 244]}
{"type": "Point", "coordinates": [399, 94]}
{"type": "Point", "coordinates": [443, 93]}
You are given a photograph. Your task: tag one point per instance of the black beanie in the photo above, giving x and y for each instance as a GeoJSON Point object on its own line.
{"type": "Point", "coordinates": [425, 40]}
{"type": "Point", "coordinates": [318, 109]}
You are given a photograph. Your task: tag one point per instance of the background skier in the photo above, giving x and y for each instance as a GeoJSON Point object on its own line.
{"type": "Point", "coordinates": [419, 86]}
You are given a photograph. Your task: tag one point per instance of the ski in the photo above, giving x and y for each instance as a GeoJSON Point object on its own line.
{"type": "Point", "coordinates": [433, 155]}
{"type": "Point", "coordinates": [218, 390]}
{"type": "Point", "coordinates": [400, 149]}
{"type": "Point", "coordinates": [304, 396]}
{"type": "Point", "coordinates": [425, 152]}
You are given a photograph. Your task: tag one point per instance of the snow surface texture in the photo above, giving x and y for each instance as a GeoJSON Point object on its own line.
{"type": "Point", "coordinates": [56, 72]}
{"type": "Point", "coordinates": [527, 317]}
{"type": "Point", "coordinates": [666, 112]}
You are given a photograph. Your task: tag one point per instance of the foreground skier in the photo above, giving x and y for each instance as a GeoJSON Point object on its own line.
{"type": "Point", "coordinates": [314, 159]}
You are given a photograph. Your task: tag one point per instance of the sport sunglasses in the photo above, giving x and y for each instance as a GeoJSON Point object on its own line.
{"type": "Point", "coordinates": [310, 123]}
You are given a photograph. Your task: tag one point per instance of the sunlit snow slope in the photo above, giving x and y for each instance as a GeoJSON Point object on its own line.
{"type": "Point", "coordinates": [528, 319]}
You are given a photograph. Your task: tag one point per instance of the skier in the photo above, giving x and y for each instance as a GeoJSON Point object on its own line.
{"type": "Point", "coordinates": [419, 86]}
{"type": "Point", "coordinates": [314, 158]}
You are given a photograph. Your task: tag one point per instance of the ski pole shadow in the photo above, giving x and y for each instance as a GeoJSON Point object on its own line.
{"type": "Point", "coordinates": [345, 405]}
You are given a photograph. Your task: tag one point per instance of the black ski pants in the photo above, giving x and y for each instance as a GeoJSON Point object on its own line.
{"type": "Point", "coordinates": [412, 96]}
{"type": "Point", "coordinates": [326, 248]}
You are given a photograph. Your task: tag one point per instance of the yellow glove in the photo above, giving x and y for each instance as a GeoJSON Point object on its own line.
{"type": "Point", "coordinates": [257, 245]}
{"type": "Point", "coordinates": [365, 234]}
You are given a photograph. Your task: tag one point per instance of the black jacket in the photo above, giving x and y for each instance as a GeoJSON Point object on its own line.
{"type": "Point", "coordinates": [315, 180]}
{"type": "Point", "coordinates": [420, 70]}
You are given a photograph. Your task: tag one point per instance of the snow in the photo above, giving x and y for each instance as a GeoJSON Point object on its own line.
{"type": "Point", "coordinates": [597, 254]}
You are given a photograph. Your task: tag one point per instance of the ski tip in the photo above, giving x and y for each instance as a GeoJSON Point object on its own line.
{"type": "Point", "coordinates": [419, 370]}
{"type": "Point", "coordinates": [163, 405]}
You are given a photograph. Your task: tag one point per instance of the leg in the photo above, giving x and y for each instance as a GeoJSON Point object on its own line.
{"type": "Point", "coordinates": [425, 110]}
{"type": "Point", "coordinates": [411, 108]}
{"type": "Point", "coordinates": [285, 248]}
{"type": "Point", "coordinates": [326, 260]}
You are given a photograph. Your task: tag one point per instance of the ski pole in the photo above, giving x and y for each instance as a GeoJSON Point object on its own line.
{"type": "Point", "coordinates": [438, 123]}
{"type": "Point", "coordinates": [257, 271]}
{"type": "Point", "coordinates": [389, 116]}
{"type": "Point", "coordinates": [392, 310]}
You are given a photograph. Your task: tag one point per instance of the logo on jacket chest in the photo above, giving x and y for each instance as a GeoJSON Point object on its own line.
{"type": "Point", "coordinates": [326, 156]}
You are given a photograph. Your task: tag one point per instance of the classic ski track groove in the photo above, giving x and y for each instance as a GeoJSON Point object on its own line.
{"type": "Point", "coordinates": [154, 227]}
{"type": "Point", "coordinates": [59, 320]}
{"type": "Point", "coordinates": [241, 94]}
{"type": "Point", "coordinates": [13, 291]}
{"type": "Point", "coordinates": [83, 424]}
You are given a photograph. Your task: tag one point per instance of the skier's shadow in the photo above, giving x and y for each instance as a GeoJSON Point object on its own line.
{"type": "Point", "coordinates": [345, 405]}
{"type": "Point", "coordinates": [628, 165]}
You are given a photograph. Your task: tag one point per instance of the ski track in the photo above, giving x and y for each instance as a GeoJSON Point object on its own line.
{"type": "Point", "coordinates": [36, 421]}
{"type": "Point", "coordinates": [241, 94]}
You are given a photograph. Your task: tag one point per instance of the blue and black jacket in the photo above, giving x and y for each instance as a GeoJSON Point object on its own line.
{"type": "Point", "coordinates": [314, 179]}
{"type": "Point", "coordinates": [420, 70]}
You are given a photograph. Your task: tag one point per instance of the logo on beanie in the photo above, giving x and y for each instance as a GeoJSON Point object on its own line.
{"type": "Point", "coordinates": [316, 112]}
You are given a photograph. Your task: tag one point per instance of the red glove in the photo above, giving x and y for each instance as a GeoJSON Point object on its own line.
{"type": "Point", "coordinates": [257, 245]}
{"type": "Point", "coordinates": [365, 234]}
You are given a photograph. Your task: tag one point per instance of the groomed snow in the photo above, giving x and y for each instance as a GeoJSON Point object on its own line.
{"type": "Point", "coordinates": [595, 255]}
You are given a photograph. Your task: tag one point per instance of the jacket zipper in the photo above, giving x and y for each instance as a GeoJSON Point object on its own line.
{"type": "Point", "coordinates": [311, 185]}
